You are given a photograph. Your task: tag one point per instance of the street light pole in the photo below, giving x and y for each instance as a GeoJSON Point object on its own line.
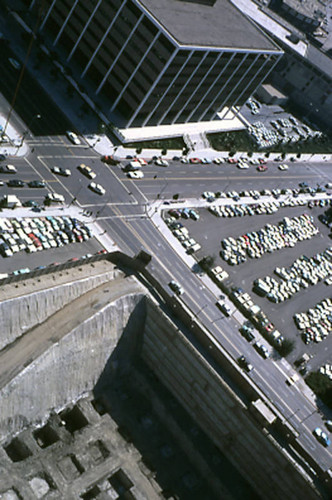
{"type": "Point", "coordinates": [36, 117]}
{"type": "Point", "coordinates": [200, 310]}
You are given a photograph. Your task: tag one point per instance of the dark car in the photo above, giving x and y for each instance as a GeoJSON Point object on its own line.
{"type": "Point", "coordinates": [36, 184]}
{"type": "Point", "coordinates": [30, 203]}
{"type": "Point", "coordinates": [2, 157]}
{"type": "Point", "coordinates": [174, 213]}
{"type": "Point", "coordinates": [15, 183]}
{"type": "Point", "coordinates": [247, 330]}
{"type": "Point", "coordinates": [244, 363]}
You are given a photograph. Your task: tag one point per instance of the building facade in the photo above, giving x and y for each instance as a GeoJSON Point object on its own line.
{"type": "Point", "coordinates": [161, 61]}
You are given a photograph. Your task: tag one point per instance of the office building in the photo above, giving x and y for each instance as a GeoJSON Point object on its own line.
{"type": "Point", "coordinates": [158, 62]}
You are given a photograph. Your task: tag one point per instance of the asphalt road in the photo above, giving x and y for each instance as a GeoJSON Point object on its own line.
{"type": "Point", "coordinates": [122, 212]}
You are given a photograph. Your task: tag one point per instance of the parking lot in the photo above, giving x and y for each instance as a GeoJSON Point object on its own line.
{"type": "Point", "coordinates": [210, 230]}
{"type": "Point", "coordinates": [271, 125]}
{"type": "Point", "coordinates": [39, 241]}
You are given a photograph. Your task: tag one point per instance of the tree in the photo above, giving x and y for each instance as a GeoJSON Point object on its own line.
{"type": "Point", "coordinates": [286, 347]}
{"type": "Point", "coordinates": [321, 385]}
{"type": "Point", "coordinates": [176, 196]}
{"type": "Point", "coordinates": [138, 151]}
{"type": "Point", "coordinates": [283, 155]}
{"type": "Point", "coordinates": [164, 152]}
{"type": "Point", "coordinates": [267, 155]}
{"type": "Point", "coordinates": [207, 262]}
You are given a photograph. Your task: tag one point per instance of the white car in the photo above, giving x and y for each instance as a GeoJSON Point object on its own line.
{"type": "Point", "coordinates": [14, 63]}
{"type": "Point", "coordinates": [221, 304]}
{"type": "Point", "coordinates": [283, 166]}
{"type": "Point", "coordinates": [97, 188]}
{"type": "Point", "coordinates": [161, 163]}
{"type": "Point", "coordinates": [208, 194]}
{"type": "Point", "coordinates": [263, 351]}
{"type": "Point", "coordinates": [73, 137]}
{"type": "Point", "coordinates": [243, 165]}
{"type": "Point", "coordinates": [55, 197]}
{"type": "Point", "coordinates": [137, 174]}
{"type": "Point", "coordinates": [61, 171]}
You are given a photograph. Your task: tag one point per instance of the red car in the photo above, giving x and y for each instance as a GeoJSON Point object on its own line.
{"type": "Point", "coordinates": [262, 168]}
{"type": "Point", "coordinates": [195, 160]}
{"type": "Point", "coordinates": [109, 160]}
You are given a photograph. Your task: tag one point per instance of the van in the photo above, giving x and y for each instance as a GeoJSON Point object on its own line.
{"type": "Point", "coordinates": [194, 248]}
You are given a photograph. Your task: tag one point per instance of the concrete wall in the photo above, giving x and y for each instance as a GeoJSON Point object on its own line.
{"type": "Point", "coordinates": [69, 368]}
{"type": "Point", "coordinates": [218, 411]}
{"type": "Point", "coordinates": [20, 313]}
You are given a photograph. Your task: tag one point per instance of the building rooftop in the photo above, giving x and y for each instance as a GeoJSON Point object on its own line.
{"type": "Point", "coordinates": [221, 25]}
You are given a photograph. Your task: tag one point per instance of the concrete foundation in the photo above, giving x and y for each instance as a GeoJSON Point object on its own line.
{"type": "Point", "coordinates": [91, 335]}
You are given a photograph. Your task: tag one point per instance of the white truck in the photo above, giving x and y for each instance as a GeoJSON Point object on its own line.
{"type": "Point", "coordinates": [11, 201]}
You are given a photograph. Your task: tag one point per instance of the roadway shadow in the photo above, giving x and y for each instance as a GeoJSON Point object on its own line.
{"type": "Point", "coordinates": [140, 404]}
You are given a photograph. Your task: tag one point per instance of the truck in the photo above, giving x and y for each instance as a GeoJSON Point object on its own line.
{"type": "Point", "coordinates": [11, 201]}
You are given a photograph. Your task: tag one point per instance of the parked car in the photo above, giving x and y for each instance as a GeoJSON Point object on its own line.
{"type": "Point", "coordinates": [30, 203]}
{"type": "Point", "coordinates": [247, 330]}
{"type": "Point", "coordinates": [193, 214]}
{"type": "Point", "coordinates": [61, 171]}
{"type": "Point", "coordinates": [244, 363]}
{"type": "Point", "coordinates": [224, 308]}
{"type": "Point", "coordinates": [262, 350]}
{"type": "Point", "coordinates": [14, 63]}
{"type": "Point", "coordinates": [54, 197]}
{"type": "Point", "coordinates": [176, 287]}
{"type": "Point", "coordinates": [110, 160]}
{"type": "Point", "coordinates": [87, 171]}
{"type": "Point", "coordinates": [174, 213]}
{"type": "Point", "coordinates": [262, 168]}
{"type": "Point", "coordinates": [328, 424]}
{"type": "Point", "coordinates": [15, 183]}
{"type": "Point", "coordinates": [161, 163]}
{"type": "Point", "coordinates": [321, 436]}
{"type": "Point", "coordinates": [7, 169]}
{"type": "Point", "coordinates": [97, 188]}
{"type": "Point", "coordinates": [36, 184]}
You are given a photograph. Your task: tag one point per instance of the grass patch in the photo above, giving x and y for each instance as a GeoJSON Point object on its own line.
{"type": "Point", "coordinates": [171, 143]}
{"type": "Point", "coordinates": [238, 140]}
